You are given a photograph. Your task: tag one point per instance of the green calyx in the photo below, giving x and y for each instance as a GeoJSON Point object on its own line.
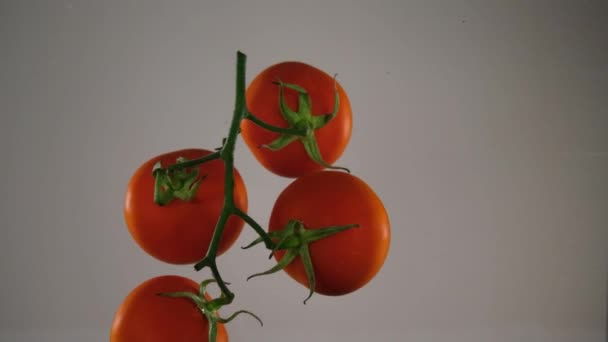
{"type": "Point", "coordinates": [178, 183]}
{"type": "Point", "coordinates": [304, 121]}
{"type": "Point", "coordinates": [209, 308]}
{"type": "Point", "coordinates": [295, 239]}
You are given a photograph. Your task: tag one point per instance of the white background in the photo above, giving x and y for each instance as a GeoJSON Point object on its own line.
{"type": "Point", "coordinates": [481, 124]}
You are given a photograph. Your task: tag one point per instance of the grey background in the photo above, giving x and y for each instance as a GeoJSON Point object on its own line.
{"type": "Point", "coordinates": [481, 124]}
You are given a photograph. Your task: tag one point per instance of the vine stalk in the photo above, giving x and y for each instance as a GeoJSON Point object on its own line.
{"type": "Point", "coordinates": [295, 238]}
{"type": "Point", "coordinates": [226, 154]}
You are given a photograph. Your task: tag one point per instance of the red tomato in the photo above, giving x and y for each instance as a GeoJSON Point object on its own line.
{"type": "Point", "coordinates": [263, 102]}
{"type": "Point", "coordinates": [180, 232]}
{"type": "Point", "coordinates": [144, 316]}
{"type": "Point", "coordinates": [348, 260]}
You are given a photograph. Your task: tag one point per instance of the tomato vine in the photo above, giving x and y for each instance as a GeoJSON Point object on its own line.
{"type": "Point", "coordinates": [180, 181]}
{"type": "Point", "coordinates": [226, 154]}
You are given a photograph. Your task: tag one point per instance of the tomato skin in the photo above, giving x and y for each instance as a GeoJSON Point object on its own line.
{"type": "Point", "coordinates": [263, 101]}
{"type": "Point", "coordinates": [348, 260]}
{"type": "Point", "coordinates": [180, 232]}
{"type": "Point", "coordinates": [144, 316]}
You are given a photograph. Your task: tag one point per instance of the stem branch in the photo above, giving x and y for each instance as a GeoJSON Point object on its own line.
{"type": "Point", "coordinates": [261, 232]}
{"type": "Point", "coordinates": [276, 129]}
{"type": "Point", "coordinates": [193, 162]}
{"type": "Point", "coordinates": [226, 153]}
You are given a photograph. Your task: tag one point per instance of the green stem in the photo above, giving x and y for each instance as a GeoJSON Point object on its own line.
{"type": "Point", "coordinates": [209, 260]}
{"type": "Point", "coordinates": [226, 153]}
{"type": "Point", "coordinates": [281, 130]}
{"type": "Point", "coordinates": [193, 162]}
{"type": "Point", "coordinates": [251, 222]}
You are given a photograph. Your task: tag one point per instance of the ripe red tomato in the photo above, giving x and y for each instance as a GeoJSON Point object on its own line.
{"type": "Point", "coordinates": [180, 232]}
{"type": "Point", "coordinates": [263, 102]}
{"type": "Point", "coordinates": [348, 260]}
{"type": "Point", "coordinates": [144, 316]}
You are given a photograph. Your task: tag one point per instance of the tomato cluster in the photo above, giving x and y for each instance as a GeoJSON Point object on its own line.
{"type": "Point", "coordinates": [330, 231]}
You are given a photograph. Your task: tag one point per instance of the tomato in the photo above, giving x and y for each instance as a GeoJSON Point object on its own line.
{"type": "Point", "coordinates": [144, 316]}
{"type": "Point", "coordinates": [348, 260]}
{"type": "Point", "coordinates": [180, 232]}
{"type": "Point", "coordinates": [263, 101]}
